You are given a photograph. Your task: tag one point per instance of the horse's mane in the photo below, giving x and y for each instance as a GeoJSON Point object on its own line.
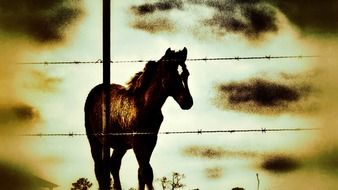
{"type": "Point", "coordinates": [142, 79]}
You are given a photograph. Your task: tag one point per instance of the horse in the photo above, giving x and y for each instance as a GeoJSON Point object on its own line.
{"type": "Point", "coordinates": [135, 116]}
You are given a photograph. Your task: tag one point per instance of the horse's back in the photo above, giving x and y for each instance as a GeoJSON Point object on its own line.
{"type": "Point", "coordinates": [122, 113]}
{"type": "Point", "coordinates": [93, 106]}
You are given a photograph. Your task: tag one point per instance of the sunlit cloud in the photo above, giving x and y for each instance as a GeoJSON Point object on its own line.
{"type": "Point", "coordinates": [204, 152]}
{"type": "Point", "coordinates": [210, 152]}
{"type": "Point", "coordinates": [40, 81]}
{"type": "Point", "coordinates": [154, 24]}
{"type": "Point", "coordinates": [214, 172]}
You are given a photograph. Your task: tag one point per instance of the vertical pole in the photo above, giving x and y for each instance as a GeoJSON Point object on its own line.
{"type": "Point", "coordinates": [106, 86]}
{"type": "Point", "coordinates": [257, 181]}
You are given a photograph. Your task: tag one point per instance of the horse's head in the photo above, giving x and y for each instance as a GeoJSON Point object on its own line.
{"type": "Point", "coordinates": [175, 77]}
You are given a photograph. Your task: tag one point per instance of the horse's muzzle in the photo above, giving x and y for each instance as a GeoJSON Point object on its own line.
{"type": "Point", "coordinates": [186, 103]}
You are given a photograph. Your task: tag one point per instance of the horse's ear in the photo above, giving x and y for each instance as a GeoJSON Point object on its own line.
{"type": "Point", "coordinates": [184, 53]}
{"type": "Point", "coordinates": [168, 51]}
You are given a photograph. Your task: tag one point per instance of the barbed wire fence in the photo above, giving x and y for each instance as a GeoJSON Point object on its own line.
{"type": "Point", "coordinates": [199, 131]}
{"type": "Point", "coordinates": [205, 59]}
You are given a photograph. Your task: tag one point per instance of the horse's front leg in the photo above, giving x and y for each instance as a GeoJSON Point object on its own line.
{"type": "Point", "coordinates": [143, 148]}
{"type": "Point", "coordinates": [115, 165]}
{"type": "Point", "coordinates": [145, 176]}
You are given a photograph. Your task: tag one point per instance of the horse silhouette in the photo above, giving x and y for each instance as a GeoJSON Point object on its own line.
{"type": "Point", "coordinates": [136, 116]}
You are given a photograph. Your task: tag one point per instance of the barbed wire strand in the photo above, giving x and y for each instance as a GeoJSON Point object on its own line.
{"type": "Point", "coordinates": [199, 132]}
{"type": "Point", "coordinates": [99, 61]}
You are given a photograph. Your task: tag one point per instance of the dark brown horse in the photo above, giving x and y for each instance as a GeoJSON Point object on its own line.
{"type": "Point", "coordinates": [135, 115]}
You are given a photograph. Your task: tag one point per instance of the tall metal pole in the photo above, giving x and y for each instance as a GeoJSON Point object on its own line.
{"type": "Point", "coordinates": [106, 86]}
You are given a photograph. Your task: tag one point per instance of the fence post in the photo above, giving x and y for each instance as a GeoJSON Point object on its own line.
{"type": "Point", "coordinates": [106, 87]}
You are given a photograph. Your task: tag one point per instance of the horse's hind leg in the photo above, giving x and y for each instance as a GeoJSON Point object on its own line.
{"type": "Point", "coordinates": [101, 170]}
{"type": "Point", "coordinates": [115, 164]}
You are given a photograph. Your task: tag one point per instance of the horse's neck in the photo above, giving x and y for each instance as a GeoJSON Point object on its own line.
{"type": "Point", "coordinates": [153, 98]}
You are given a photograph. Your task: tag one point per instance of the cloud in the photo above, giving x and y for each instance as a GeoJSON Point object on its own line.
{"type": "Point", "coordinates": [280, 164]}
{"type": "Point", "coordinates": [251, 19]}
{"type": "Point", "coordinates": [40, 81]}
{"type": "Point", "coordinates": [325, 160]}
{"type": "Point", "coordinates": [18, 113]}
{"type": "Point", "coordinates": [38, 20]}
{"type": "Point", "coordinates": [238, 188]}
{"type": "Point", "coordinates": [154, 25]}
{"type": "Point", "coordinates": [262, 92]}
{"type": "Point", "coordinates": [153, 17]}
{"type": "Point", "coordinates": [263, 96]}
{"type": "Point", "coordinates": [204, 152]}
{"type": "Point", "coordinates": [162, 5]}
{"type": "Point", "coordinates": [10, 114]}
{"type": "Point", "coordinates": [207, 152]}
{"type": "Point", "coordinates": [214, 173]}
{"type": "Point", "coordinates": [321, 168]}
{"type": "Point", "coordinates": [311, 16]}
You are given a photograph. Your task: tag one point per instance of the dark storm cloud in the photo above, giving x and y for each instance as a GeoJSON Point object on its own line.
{"type": "Point", "coordinates": [325, 160]}
{"type": "Point", "coordinates": [311, 16]}
{"type": "Point", "coordinates": [153, 18]}
{"type": "Point", "coordinates": [251, 19]}
{"type": "Point", "coordinates": [39, 20]}
{"type": "Point", "coordinates": [18, 113]}
{"type": "Point", "coordinates": [258, 95]}
{"type": "Point", "coordinates": [264, 93]}
{"type": "Point", "coordinates": [280, 164]}
{"type": "Point", "coordinates": [162, 5]}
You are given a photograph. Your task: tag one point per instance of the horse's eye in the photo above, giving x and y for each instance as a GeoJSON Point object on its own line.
{"type": "Point", "coordinates": [180, 70]}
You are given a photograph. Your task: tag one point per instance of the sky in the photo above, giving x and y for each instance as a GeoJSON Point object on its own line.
{"type": "Point", "coordinates": [246, 94]}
